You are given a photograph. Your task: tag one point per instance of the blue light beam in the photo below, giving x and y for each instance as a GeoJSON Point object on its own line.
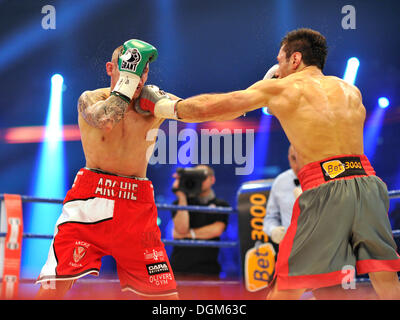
{"type": "Point", "coordinates": [265, 111]}
{"type": "Point", "coordinates": [350, 73]}
{"type": "Point", "coordinates": [49, 182]}
{"type": "Point", "coordinates": [383, 102]}
{"type": "Point", "coordinates": [373, 128]}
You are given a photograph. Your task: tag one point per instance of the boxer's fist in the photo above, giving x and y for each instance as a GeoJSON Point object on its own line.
{"type": "Point", "coordinates": [153, 100]}
{"type": "Point", "coordinates": [272, 73]}
{"type": "Point", "coordinates": [135, 55]}
{"type": "Point", "coordinates": [131, 64]}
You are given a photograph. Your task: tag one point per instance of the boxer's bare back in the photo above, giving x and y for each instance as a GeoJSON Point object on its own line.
{"type": "Point", "coordinates": [323, 117]}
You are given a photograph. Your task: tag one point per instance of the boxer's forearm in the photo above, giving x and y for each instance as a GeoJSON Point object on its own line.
{"type": "Point", "coordinates": [103, 114]}
{"type": "Point", "coordinates": [227, 106]}
{"type": "Point", "coordinates": [211, 107]}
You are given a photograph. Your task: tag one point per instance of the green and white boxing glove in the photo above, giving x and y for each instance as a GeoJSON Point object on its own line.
{"type": "Point", "coordinates": [131, 64]}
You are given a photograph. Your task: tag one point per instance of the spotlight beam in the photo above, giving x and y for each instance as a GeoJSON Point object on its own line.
{"type": "Point", "coordinates": [350, 73]}
{"type": "Point", "coordinates": [383, 102]}
{"type": "Point", "coordinates": [49, 182]}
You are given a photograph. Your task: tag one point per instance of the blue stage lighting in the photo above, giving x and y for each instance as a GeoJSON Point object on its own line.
{"type": "Point", "coordinates": [49, 183]}
{"type": "Point", "coordinates": [351, 70]}
{"type": "Point", "coordinates": [57, 80]}
{"type": "Point", "coordinates": [69, 13]}
{"type": "Point", "coordinates": [265, 111]}
{"type": "Point", "coordinates": [54, 121]}
{"type": "Point", "coordinates": [260, 150]}
{"type": "Point", "coordinates": [383, 102]}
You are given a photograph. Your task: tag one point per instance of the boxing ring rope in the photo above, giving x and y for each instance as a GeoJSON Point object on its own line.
{"type": "Point", "coordinates": [181, 243]}
{"type": "Point", "coordinates": [187, 243]}
{"type": "Point", "coordinates": [393, 194]}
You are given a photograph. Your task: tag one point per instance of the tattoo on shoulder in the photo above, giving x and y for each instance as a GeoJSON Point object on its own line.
{"type": "Point", "coordinates": [102, 113]}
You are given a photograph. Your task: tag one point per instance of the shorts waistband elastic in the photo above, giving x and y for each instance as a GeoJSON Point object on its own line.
{"type": "Point", "coordinates": [334, 168]}
{"type": "Point", "coordinates": [96, 184]}
{"type": "Point", "coordinates": [114, 174]}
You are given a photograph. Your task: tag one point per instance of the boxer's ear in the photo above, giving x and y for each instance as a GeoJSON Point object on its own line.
{"type": "Point", "coordinates": [295, 60]}
{"type": "Point", "coordinates": [109, 68]}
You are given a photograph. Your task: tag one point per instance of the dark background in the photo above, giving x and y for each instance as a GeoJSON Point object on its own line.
{"type": "Point", "coordinates": [204, 46]}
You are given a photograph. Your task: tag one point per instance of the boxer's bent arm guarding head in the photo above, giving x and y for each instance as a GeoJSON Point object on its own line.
{"type": "Point", "coordinates": [100, 111]}
{"type": "Point", "coordinates": [132, 59]}
{"type": "Point", "coordinates": [226, 106]}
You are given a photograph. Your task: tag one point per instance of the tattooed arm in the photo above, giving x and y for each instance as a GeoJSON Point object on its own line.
{"type": "Point", "coordinates": [100, 110]}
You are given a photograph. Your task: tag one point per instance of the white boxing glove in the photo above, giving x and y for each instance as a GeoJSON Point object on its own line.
{"type": "Point", "coordinates": [277, 234]}
{"type": "Point", "coordinates": [272, 72]}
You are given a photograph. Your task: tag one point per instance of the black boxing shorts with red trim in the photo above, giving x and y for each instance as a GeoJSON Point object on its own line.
{"type": "Point", "coordinates": [339, 221]}
{"type": "Point", "coordinates": [105, 214]}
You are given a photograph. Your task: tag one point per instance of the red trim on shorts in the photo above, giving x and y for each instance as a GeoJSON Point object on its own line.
{"type": "Point", "coordinates": [311, 175]}
{"type": "Point", "coordinates": [370, 265]}
{"type": "Point", "coordinates": [285, 247]}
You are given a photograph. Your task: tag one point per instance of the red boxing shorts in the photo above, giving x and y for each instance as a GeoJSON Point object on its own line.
{"type": "Point", "coordinates": [339, 224]}
{"type": "Point", "coordinates": [105, 214]}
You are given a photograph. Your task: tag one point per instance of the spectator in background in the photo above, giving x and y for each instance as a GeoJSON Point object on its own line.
{"type": "Point", "coordinates": [200, 263]}
{"type": "Point", "coordinates": [284, 191]}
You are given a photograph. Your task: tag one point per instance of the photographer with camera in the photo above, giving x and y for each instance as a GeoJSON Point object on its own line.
{"type": "Point", "coordinates": [193, 186]}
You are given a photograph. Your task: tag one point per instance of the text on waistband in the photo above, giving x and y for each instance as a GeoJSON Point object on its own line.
{"type": "Point", "coordinates": [114, 188]}
{"type": "Point", "coordinates": [342, 167]}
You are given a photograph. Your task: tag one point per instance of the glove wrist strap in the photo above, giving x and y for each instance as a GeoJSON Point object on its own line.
{"type": "Point", "coordinates": [123, 97]}
{"type": "Point", "coordinates": [166, 109]}
{"type": "Point", "coordinates": [127, 85]}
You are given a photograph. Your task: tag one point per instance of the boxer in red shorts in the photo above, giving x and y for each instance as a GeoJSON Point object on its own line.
{"type": "Point", "coordinates": [110, 209]}
{"type": "Point", "coordinates": [106, 214]}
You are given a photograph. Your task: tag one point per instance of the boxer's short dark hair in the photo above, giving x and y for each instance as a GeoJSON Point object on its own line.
{"type": "Point", "coordinates": [310, 43]}
{"type": "Point", "coordinates": [117, 53]}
